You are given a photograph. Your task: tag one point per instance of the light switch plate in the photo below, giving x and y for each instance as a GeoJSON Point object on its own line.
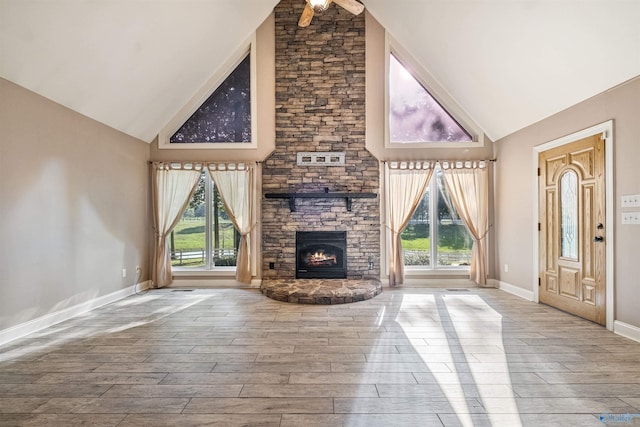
{"type": "Point", "coordinates": [631, 217]}
{"type": "Point", "coordinates": [631, 201]}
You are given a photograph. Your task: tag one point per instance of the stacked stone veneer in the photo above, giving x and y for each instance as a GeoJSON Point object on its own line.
{"type": "Point", "coordinates": [320, 106]}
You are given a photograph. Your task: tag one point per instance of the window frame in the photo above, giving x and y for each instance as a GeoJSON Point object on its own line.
{"type": "Point", "coordinates": [433, 189]}
{"type": "Point", "coordinates": [439, 94]}
{"type": "Point", "coordinates": [249, 48]}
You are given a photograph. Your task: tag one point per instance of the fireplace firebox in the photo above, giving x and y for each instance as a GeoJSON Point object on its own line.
{"type": "Point", "coordinates": [321, 255]}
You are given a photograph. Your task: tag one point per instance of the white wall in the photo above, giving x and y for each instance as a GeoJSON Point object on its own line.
{"type": "Point", "coordinates": [515, 191]}
{"type": "Point", "coordinates": [73, 207]}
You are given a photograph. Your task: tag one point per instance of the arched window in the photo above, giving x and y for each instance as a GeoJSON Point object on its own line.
{"type": "Point", "coordinates": [569, 215]}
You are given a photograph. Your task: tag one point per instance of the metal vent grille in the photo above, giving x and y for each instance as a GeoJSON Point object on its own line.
{"type": "Point", "coordinates": [321, 158]}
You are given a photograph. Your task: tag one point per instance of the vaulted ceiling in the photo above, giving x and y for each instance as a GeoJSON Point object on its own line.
{"type": "Point", "coordinates": [132, 64]}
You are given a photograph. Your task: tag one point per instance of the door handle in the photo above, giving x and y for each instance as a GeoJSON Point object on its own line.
{"type": "Point", "coordinates": [598, 239]}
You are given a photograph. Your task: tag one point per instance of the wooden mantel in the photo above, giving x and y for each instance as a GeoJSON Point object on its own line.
{"type": "Point", "coordinates": [326, 195]}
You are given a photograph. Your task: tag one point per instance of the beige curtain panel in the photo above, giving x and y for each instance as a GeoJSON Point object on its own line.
{"type": "Point", "coordinates": [405, 185]}
{"type": "Point", "coordinates": [235, 183]}
{"type": "Point", "coordinates": [468, 184]}
{"type": "Point", "coordinates": [172, 186]}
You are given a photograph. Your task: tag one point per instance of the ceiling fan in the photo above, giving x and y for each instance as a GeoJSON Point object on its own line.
{"type": "Point", "coordinates": [313, 6]}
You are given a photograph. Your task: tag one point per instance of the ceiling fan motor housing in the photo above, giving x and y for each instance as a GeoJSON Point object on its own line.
{"type": "Point", "coordinates": [319, 5]}
{"type": "Point", "coordinates": [314, 6]}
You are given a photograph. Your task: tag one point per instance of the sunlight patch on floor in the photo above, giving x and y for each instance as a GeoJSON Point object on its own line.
{"type": "Point", "coordinates": [427, 304]}
{"type": "Point", "coordinates": [453, 320]}
{"type": "Point", "coordinates": [67, 332]}
{"type": "Point", "coordinates": [472, 317]}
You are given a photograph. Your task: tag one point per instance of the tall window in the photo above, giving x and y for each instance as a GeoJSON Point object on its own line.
{"type": "Point", "coordinates": [205, 237]}
{"type": "Point", "coordinates": [436, 237]}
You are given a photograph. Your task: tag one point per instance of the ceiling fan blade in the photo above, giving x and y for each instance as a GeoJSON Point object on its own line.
{"type": "Point", "coordinates": [351, 5]}
{"type": "Point", "coordinates": [305, 18]}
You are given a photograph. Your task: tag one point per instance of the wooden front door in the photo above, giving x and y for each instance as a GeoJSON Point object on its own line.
{"type": "Point", "coordinates": [571, 223]}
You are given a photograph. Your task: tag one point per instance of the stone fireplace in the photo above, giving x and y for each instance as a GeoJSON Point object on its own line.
{"type": "Point", "coordinates": [320, 107]}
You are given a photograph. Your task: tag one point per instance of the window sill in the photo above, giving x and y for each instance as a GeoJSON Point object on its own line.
{"type": "Point", "coordinates": [436, 144]}
{"type": "Point", "coordinates": [417, 277]}
{"type": "Point", "coordinates": [201, 272]}
{"type": "Point", "coordinates": [426, 272]}
{"type": "Point", "coordinates": [166, 145]}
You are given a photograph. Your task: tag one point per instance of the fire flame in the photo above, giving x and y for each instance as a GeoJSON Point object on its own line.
{"type": "Point", "coordinates": [320, 258]}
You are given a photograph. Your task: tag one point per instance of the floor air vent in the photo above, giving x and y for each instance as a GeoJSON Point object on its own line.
{"type": "Point", "coordinates": [458, 290]}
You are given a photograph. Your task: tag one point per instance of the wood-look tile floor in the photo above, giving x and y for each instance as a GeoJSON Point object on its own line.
{"type": "Point", "coordinates": [410, 357]}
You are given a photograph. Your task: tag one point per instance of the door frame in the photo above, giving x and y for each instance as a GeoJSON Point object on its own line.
{"type": "Point", "coordinates": [606, 129]}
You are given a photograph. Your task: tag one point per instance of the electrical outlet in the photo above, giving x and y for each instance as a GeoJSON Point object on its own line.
{"type": "Point", "coordinates": [631, 201]}
{"type": "Point", "coordinates": [631, 217]}
{"type": "Point", "coordinates": [138, 269]}
{"type": "Point", "coordinates": [506, 268]}
{"type": "Point", "coordinates": [124, 273]}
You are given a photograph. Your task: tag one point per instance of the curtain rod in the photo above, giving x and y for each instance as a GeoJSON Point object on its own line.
{"type": "Point", "coordinates": [261, 161]}
{"type": "Point", "coordinates": [448, 160]}
{"type": "Point", "coordinates": [205, 162]}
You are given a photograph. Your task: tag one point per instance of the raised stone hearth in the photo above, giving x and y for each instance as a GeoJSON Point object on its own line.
{"type": "Point", "coordinates": [321, 291]}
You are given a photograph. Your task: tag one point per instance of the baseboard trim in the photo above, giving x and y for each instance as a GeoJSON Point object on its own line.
{"type": "Point", "coordinates": [626, 330]}
{"type": "Point", "coordinates": [22, 330]}
{"type": "Point", "coordinates": [514, 290]}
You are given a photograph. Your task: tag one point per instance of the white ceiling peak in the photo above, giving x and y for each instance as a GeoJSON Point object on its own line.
{"type": "Point", "coordinates": [513, 63]}
{"type": "Point", "coordinates": [133, 65]}
{"type": "Point", "coordinates": [128, 64]}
